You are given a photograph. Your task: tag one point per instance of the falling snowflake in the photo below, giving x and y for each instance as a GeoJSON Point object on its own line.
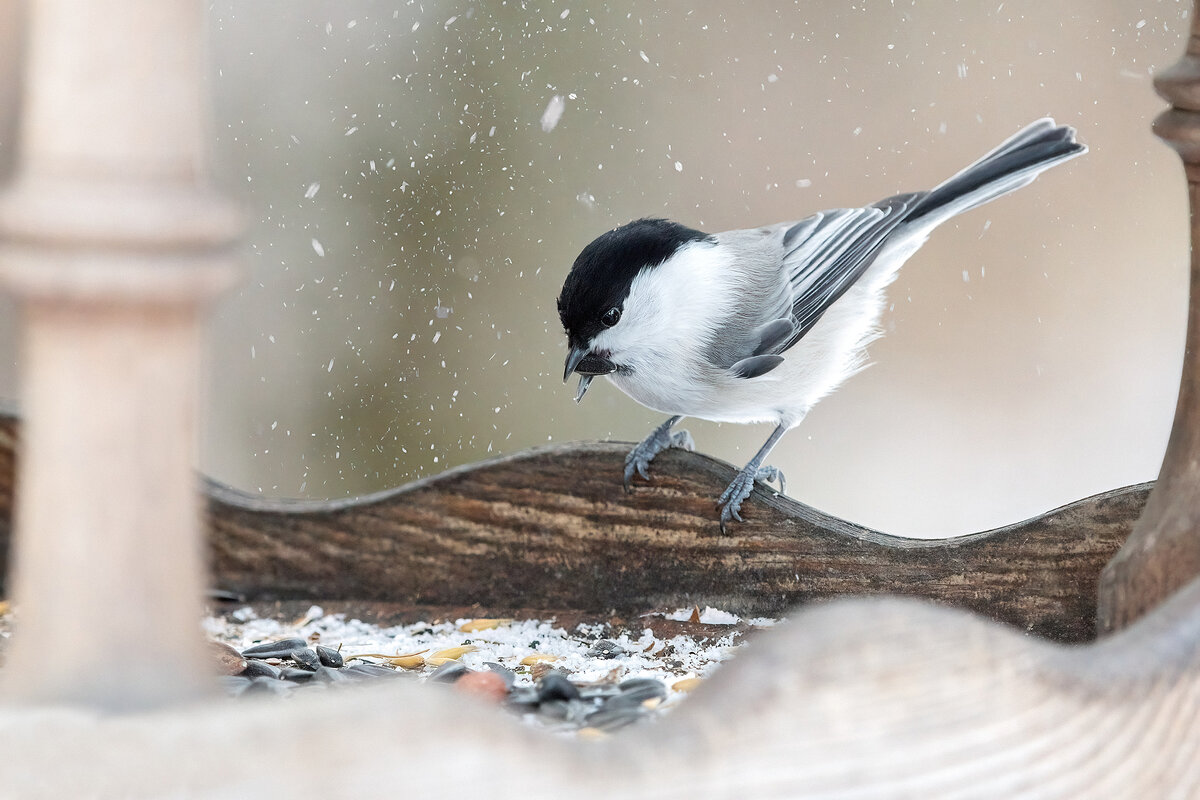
{"type": "Point", "coordinates": [553, 113]}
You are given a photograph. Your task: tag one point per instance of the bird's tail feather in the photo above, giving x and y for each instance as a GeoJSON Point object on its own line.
{"type": "Point", "coordinates": [1015, 163]}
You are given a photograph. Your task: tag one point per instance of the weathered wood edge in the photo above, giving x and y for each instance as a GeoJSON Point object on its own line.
{"type": "Point", "coordinates": [1162, 553]}
{"type": "Point", "coordinates": [551, 528]}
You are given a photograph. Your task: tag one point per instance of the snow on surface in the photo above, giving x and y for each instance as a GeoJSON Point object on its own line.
{"type": "Point", "coordinates": [508, 643]}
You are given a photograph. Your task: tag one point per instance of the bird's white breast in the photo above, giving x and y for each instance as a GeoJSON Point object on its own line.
{"type": "Point", "coordinates": [673, 312]}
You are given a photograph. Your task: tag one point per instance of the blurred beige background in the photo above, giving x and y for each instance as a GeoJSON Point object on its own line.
{"type": "Point", "coordinates": [412, 223]}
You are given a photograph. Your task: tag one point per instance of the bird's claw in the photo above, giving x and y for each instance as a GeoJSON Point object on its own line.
{"type": "Point", "coordinates": [639, 458]}
{"type": "Point", "coordinates": [730, 501]}
{"type": "Point", "coordinates": [772, 475]}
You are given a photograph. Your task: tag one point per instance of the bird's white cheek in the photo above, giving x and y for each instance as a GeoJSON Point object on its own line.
{"type": "Point", "coordinates": [615, 342]}
{"type": "Point", "coordinates": [637, 330]}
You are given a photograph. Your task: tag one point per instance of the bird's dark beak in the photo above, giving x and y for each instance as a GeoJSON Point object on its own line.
{"type": "Point", "coordinates": [588, 365]}
{"type": "Point", "coordinates": [576, 355]}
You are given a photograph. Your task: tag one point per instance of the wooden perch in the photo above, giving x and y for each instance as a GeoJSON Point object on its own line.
{"type": "Point", "coordinates": [551, 528]}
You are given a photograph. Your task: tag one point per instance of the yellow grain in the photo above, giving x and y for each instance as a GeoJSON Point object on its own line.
{"type": "Point", "coordinates": [453, 653]}
{"type": "Point", "coordinates": [536, 658]}
{"type": "Point", "coordinates": [476, 625]}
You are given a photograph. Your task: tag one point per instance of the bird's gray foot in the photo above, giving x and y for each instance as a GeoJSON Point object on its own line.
{"type": "Point", "coordinates": [730, 501]}
{"type": "Point", "coordinates": [772, 475]}
{"type": "Point", "coordinates": [660, 439]}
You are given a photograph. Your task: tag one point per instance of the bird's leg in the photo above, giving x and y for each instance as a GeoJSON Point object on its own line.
{"type": "Point", "coordinates": [730, 501]}
{"type": "Point", "coordinates": [660, 439]}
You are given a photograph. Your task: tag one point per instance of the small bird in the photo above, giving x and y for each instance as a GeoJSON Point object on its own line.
{"type": "Point", "coordinates": [757, 325]}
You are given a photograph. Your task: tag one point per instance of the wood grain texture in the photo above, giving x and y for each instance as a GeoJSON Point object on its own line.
{"type": "Point", "coordinates": [551, 528]}
{"type": "Point", "coordinates": [893, 698]}
{"type": "Point", "coordinates": [1163, 551]}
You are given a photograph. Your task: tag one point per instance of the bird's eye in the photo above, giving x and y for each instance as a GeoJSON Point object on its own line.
{"type": "Point", "coordinates": [611, 317]}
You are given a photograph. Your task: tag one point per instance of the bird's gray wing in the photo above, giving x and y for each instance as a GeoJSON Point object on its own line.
{"type": "Point", "coordinates": [796, 270]}
{"type": "Point", "coordinates": [758, 314]}
{"type": "Point", "coordinates": [826, 253]}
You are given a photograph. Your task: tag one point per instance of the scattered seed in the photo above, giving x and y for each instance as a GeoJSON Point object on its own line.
{"type": "Point", "coordinates": [453, 652]}
{"type": "Point", "coordinates": [260, 669]}
{"type": "Point", "coordinates": [408, 662]}
{"type": "Point", "coordinates": [555, 686]}
{"type": "Point", "coordinates": [639, 690]}
{"type": "Point", "coordinates": [449, 671]}
{"type": "Point", "coordinates": [370, 671]}
{"type": "Point", "coordinates": [306, 659]}
{"type": "Point", "coordinates": [475, 625]}
{"type": "Point", "coordinates": [530, 660]}
{"type": "Point", "coordinates": [280, 649]}
{"type": "Point", "coordinates": [507, 675]}
{"type": "Point", "coordinates": [329, 657]}
{"type": "Point", "coordinates": [488, 685]}
{"type": "Point", "coordinates": [226, 659]}
{"type": "Point", "coordinates": [293, 674]}
{"type": "Point", "coordinates": [605, 649]}
{"type": "Point", "coordinates": [328, 675]}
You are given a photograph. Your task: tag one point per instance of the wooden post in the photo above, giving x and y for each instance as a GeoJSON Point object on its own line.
{"type": "Point", "coordinates": [113, 248]}
{"type": "Point", "coordinates": [1163, 552]}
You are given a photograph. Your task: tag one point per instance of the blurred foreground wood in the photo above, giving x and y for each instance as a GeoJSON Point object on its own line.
{"type": "Point", "coordinates": [113, 247]}
{"type": "Point", "coordinates": [552, 528]}
{"type": "Point", "coordinates": [878, 698]}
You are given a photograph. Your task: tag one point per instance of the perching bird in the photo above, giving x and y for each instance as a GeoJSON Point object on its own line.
{"type": "Point", "coordinates": [757, 325]}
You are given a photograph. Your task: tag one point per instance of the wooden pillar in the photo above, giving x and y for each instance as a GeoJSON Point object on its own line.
{"type": "Point", "coordinates": [113, 248]}
{"type": "Point", "coordinates": [1163, 552]}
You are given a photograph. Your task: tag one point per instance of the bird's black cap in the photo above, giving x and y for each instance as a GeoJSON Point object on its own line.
{"type": "Point", "coordinates": [604, 271]}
